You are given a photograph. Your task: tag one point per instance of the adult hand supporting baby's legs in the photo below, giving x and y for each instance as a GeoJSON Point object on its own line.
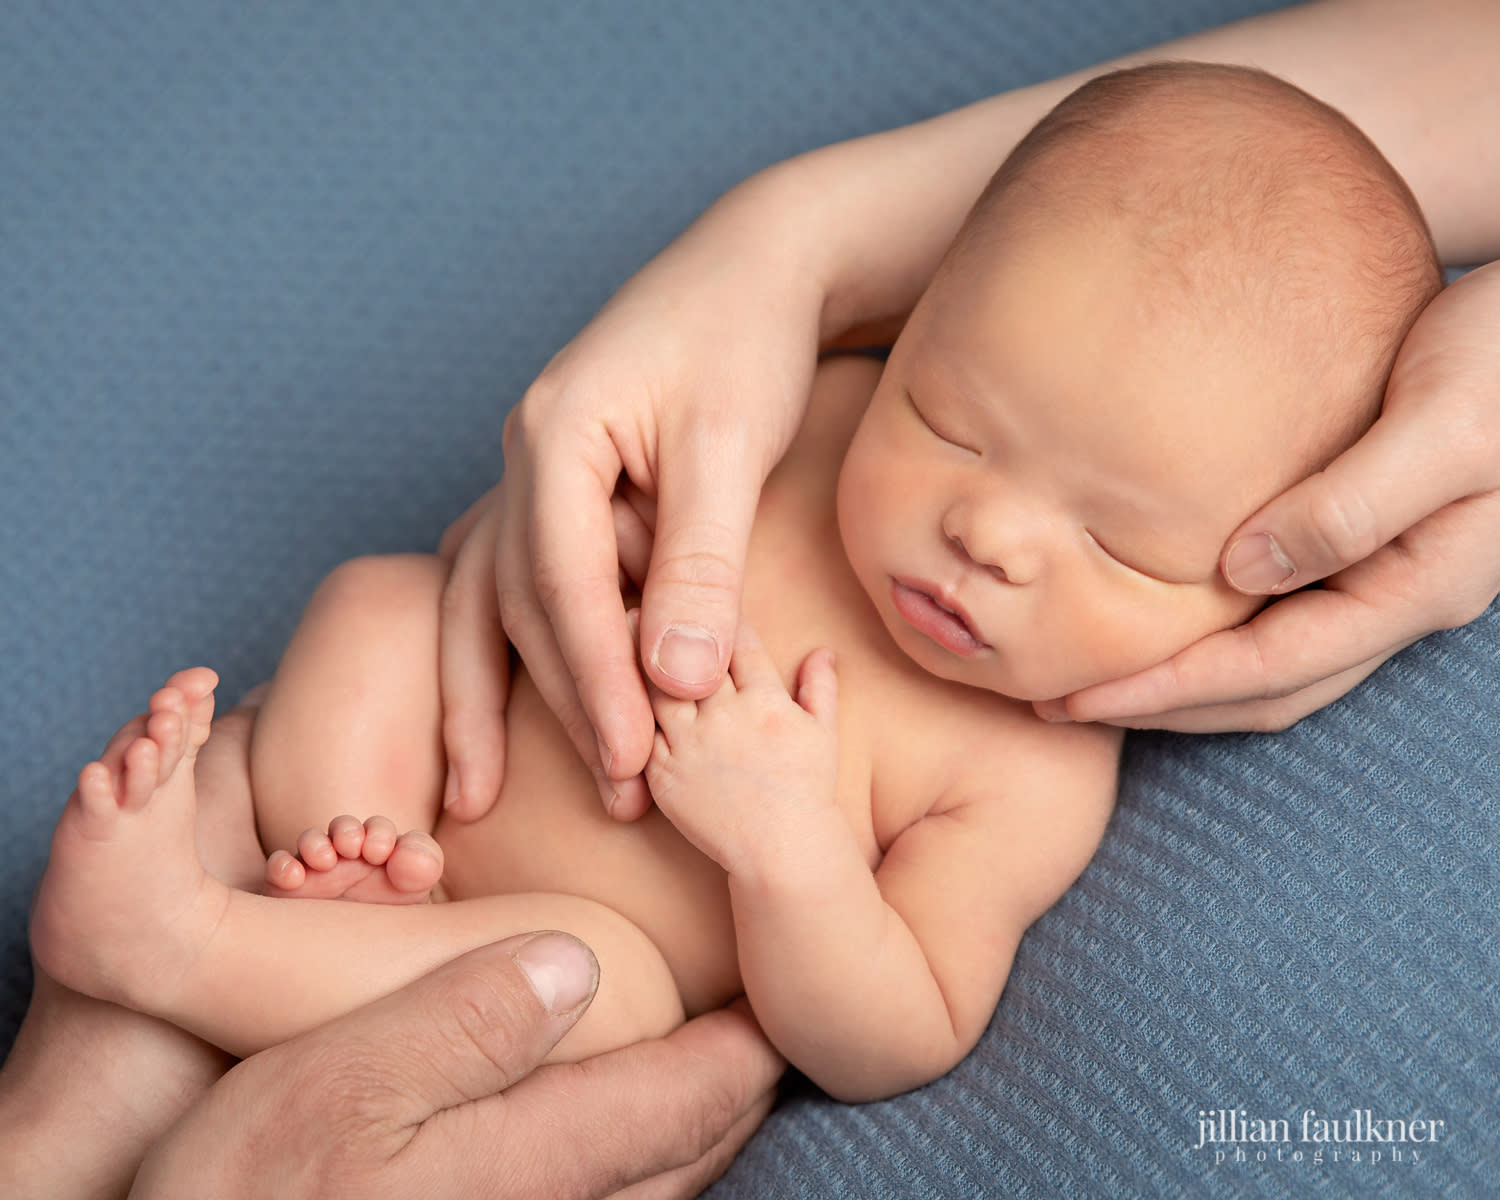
{"type": "Point", "coordinates": [456, 1107]}
{"type": "Point", "coordinates": [89, 1086]}
{"type": "Point", "coordinates": [86, 1090]}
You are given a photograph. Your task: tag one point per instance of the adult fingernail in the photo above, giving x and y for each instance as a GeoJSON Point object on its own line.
{"type": "Point", "coordinates": [688, 653]}
{"type": "Point", "coordinates": [1256, 564]}
{"type": "Point", "coordinates": [1055, 711]}
{"type": "Point", "coordinates": [561, 970]}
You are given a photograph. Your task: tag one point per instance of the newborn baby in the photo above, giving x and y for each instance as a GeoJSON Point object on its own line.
{"type": "Point", "coordinates": [1180, 294]}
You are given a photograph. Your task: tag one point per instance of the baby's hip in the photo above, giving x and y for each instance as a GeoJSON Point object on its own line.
{"type": "Point", "coordinates": [548, 832]}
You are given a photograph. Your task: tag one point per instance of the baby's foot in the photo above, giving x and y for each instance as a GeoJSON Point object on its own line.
{"type": "Point", "coordinates": [125, 905]}
{"type": "Point", "coordinates": [357, 860]}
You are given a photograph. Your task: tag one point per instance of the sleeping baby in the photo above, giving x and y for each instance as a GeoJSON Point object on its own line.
{"type": "Point", "coordinates": [1180, 294]}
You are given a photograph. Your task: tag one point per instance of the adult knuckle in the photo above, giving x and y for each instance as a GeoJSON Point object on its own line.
{"type": "Point", "coordinates": [1259, 678]}
{"type": "Point", "coordinates": [549, 583]}
{"type": "Point", "coordinates": [699, 563]}
{"type": "Point", "coordinates": [711, 1120]}
{"type": "Point", "coordinates": [518, 611]}
{"type": "Point", "coordinates": [456, 600]}
{"type": "Point", "coordinates": [537, 404]}
{"type": "Point", "coordinates": [1473, 436]}
{"type": "Point", "coordinates": [1461, 608]}
{"type": "Point", "coordinates": [1344, 524]}
{"type": "Point", "coordinates": [353, 1103]}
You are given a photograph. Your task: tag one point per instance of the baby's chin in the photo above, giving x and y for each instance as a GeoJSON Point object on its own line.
{"type": "Point", "coordinates": [1005, 675]}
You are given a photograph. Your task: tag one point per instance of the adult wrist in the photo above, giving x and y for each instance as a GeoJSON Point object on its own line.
{"type": "Point", "coordinates": [772, 227]}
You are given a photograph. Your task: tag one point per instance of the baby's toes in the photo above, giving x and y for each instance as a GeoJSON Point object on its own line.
{"type": "Point", "coordinates": [140, 773]}
{"type": "Point", "coordinates": [316, 849]}
{"type": "Point", "coordinates": [194, 683]}
{"type": "Point", "coordinates": [197, 687]}
{"type": "Point", "coordinates": [166, 728]}
{"type": "Point", "coordinates": [415, 864]}
{"type": "Point", "coordinates": [285, 871]}
{"type": "Point", "coordinates": [347, 835]}
{"type": "Point", "coordinates": [380, 840]}
{"type": "Point", "coordinates": [113, 755]}
{"type": "Point", "coordinates": [98, 795]}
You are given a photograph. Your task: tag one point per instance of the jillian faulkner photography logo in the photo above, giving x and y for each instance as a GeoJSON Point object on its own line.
{"type": "Point", "coordinates": [1362, 1138]}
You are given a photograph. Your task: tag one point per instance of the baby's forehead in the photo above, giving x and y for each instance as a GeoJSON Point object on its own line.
{"type": "Point", "coordinates": [1145, 410]}
{"type": "Point", "coordinates": [1264, 377]}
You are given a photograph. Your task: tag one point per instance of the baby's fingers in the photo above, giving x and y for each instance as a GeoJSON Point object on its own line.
{"type": "Point", "coordinates": [818, 687]}
{"type": "Point", "coordinates": [750, 666]}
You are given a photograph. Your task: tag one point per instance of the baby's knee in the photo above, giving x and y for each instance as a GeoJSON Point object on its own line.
{"type": "Point", "coordinates": [637, 998]}
{"type": "Point", "coordinates": [381, 591]}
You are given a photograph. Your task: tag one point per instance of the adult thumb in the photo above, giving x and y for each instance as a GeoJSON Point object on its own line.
{"type": "Point", "coordinates": [690, 604]}
{"type": "Point", "coordinates": [481, 1023]}
{"type": "Point", "coordinates": [1381, 486]}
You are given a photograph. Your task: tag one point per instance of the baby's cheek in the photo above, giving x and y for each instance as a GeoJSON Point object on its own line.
{"type": "Point", "coordinates": [1133, 633]}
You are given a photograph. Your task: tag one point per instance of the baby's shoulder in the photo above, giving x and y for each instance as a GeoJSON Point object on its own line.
{"type": "Point", "coordinates": [992, 756]}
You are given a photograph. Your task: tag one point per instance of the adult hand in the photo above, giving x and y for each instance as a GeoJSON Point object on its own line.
{"type": "Point", "coordinates": [431, 1092]}
{"type": "Point", "coordinates": [1403, 529]}
{"type": "Point", "coordinates": [691, 382]}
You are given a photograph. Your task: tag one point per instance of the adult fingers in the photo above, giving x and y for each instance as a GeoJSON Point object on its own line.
{"type": "Point", "coordinates": [1261, 716]}
{"type": "Point", "coordinates": [632, 542]}
{"type": "Point", "coordinates": [347, 1107]}
{"type": "Point", "coordinates": [683, 1182]}
{"type": "Point", "coordinates": [458, 532]}
{"type": "Point", "coordinates": [576, 581]}
{"type": "Point", "coordinates": [1288, 647]}
{"type": "Point", "coordinates": [1440, 574]}
{"type": "Point", "coordinates": [1387, 482]}
{"type": "Point", "coordinates": [472, 1028]}
{"type": "Point", "coordinates": [709, 489]}
{"type": "Point", "coordinates": [595, 1127]}
{"type": "Point", "coordinates": [1436, 441]}
{"type": "Point", "coordinates": [473, 673]}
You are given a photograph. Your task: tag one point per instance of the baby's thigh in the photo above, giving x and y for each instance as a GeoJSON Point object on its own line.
{"type": "Point", "coordinates": [352, 722]}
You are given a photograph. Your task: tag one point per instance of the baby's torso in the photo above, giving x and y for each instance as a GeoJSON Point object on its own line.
{"type": "Point", "coordinates": [901, 731]}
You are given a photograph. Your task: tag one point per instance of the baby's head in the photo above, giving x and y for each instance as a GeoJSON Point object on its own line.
{"type": "Point", "coordinates": [1180, 294]}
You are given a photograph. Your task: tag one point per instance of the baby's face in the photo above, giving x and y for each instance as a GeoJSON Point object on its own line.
{"type": "Point", "coordinates": [1039, 492]}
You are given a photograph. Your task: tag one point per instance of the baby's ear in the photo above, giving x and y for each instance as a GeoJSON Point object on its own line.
{"type": "Point", "coordinates": [818, 687]}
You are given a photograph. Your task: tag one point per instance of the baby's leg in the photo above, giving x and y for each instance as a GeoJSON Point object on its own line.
{"type": "Point", "coordinates": [126, 912]}
{"type": "Point", "coordinates": [349, 738]}
{"type": "Point", "coordinates": [89, 1085]}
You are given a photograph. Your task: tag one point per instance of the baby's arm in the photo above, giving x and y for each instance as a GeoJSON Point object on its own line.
{"type": "Point", "coordinates": [874, 981]}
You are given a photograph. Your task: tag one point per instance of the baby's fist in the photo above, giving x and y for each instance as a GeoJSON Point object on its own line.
{"type": "Point", "coordinates": [741, 771]}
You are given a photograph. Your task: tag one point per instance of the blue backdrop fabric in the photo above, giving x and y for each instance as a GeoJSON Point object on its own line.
{"type": "Point", "coordinates": [272, 276]}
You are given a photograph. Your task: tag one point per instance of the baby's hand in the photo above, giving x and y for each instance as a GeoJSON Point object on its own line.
{"type": "Point", "coordinates": [746, 773]}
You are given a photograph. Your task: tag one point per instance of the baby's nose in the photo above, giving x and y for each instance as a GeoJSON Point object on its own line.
{"type": "Point", "coordinates": [1001, 544]}
{"type": "Point", "coordinates": [995, 569]}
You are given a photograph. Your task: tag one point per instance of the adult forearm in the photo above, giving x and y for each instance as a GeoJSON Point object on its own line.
{"type": "Point", "coordinates": [873, 216]}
